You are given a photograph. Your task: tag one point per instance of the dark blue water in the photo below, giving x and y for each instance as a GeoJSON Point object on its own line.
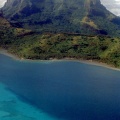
{"type": "Point", "coordinates": [65, 90]}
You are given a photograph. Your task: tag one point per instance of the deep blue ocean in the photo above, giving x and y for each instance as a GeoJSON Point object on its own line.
{"type": "Point", "coordinates": [57, 90]}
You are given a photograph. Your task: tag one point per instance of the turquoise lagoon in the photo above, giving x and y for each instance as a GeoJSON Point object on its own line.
{"type": "Point", "coordinates": [57, 90]}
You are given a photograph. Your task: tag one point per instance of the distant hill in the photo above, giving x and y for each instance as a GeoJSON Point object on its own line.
{"type": "Point", "coordinates": [68, 16]}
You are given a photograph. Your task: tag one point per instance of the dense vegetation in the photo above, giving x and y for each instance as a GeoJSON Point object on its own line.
{"type": "Point", "coordinates": [30, 45]}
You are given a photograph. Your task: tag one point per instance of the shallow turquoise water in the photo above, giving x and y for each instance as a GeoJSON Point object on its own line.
{"type": "Point", "coordinates": [11, 108]}
{"type": "Point", "coordinates": [62, 90]}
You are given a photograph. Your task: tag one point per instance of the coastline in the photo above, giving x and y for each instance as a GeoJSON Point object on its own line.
{"type": "Point", "coordinates": [6, 53]}
{"type": "Point", "coordinates": [90, 62]}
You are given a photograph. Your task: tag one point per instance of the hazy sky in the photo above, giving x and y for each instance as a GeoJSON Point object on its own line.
{"type": "Point", "coordinates": [112, 5]}
{"type": "Point", "coordinates": [2, 2]}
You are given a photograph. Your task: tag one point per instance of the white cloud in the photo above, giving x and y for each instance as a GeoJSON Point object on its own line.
{"type": "Point", "coordinates": [2, 2]}
{"type": "Point", "coordinates": [117, 1]}
{"type": "Point", "coordinates": [112, 5]}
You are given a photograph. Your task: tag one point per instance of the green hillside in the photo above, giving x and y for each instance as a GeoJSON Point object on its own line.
{"type": "Point", "coordinates": [76, 29]}
{"type": "Point", "coordinates": [29, 45]}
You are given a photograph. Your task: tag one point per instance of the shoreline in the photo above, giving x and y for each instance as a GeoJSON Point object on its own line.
{"type": "Point", "coordinates": [6, 53]}
{"type": "Point", "coordinates": [90, 62]}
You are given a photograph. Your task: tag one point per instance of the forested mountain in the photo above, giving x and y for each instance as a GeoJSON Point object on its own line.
{"type": "Point", "coordinates": [33, 45]}
{"type": "Point", "coordinates": [48, 30]}
{"type": "Point", "coordinates": [71, 16]}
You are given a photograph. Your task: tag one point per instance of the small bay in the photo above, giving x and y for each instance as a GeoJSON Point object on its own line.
{"type": "Point", "coordinates": [57, 90]}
